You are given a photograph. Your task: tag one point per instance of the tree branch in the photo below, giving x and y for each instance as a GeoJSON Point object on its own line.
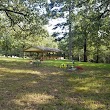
{"type": "Point", "coordinates": [20, 27]}
{"type": "Point", "coordinates": [82, 2]}
{"type": "Point", "coordinates": [100, 16]}
{"type": "Point", "coordinates": [12, 21]}
{"type": "Point", "coordinates": [16, 12]}
{"type": "Point", "coordinates": [105, 2]}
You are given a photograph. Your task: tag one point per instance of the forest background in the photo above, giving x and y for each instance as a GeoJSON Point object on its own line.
{"type": "Point", "coordinates": [84, 31]}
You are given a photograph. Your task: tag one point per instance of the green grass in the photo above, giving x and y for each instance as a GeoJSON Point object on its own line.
{"type": "Point", "coordinates": [49, 87]}
{"type": "Point", "coordinates": [56, 63]}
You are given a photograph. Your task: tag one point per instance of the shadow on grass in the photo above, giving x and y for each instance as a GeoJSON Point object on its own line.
{"type": "Point", "coordinates": [23, 87]}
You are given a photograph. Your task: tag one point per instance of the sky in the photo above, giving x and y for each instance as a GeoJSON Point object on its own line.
{"type": "Point", "coordinates": [52, 23]}
{"type": "Point", "coordinates": [48, 1]}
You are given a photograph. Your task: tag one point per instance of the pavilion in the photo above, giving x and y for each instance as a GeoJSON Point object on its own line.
{"type": "Point", "coordinates": [45, 52]}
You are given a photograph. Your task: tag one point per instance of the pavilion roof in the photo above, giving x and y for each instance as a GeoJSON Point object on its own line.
{"type": "Point", "coordinates": [42, 49]}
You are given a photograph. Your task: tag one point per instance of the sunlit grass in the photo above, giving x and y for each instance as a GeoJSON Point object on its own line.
{"type": "Point", "coordinates": [49, 87]}
{"type": "Point", "coordinates": [34, 98]}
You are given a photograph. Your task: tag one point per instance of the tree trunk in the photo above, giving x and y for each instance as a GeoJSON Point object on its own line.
{"type": "Point", "coordinates": [98, 42]}
{"type": "Point", "coordinates": [6, 47]}
{"type": "Point", "coordinates": [85, 50]}
{"type": "Point", "coordinates": [23, 54]}
{"type": "Point", "coordinates": [79, 58]}
{"type": "Point", "coordinates": [97, 54]}
{"type": "Point", "coordinates": [97, 58]}
{"type": "Point", "coordinates": [70, 35]}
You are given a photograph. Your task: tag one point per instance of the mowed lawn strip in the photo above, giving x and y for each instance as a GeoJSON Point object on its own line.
{"type": "Point", "coordinates": [49, 87]}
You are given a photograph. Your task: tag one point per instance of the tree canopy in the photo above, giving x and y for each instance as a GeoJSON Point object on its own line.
{"type": "Point", "coordinates": [22, 24]}
{"type": "Point", "coordinates": [87, 25]}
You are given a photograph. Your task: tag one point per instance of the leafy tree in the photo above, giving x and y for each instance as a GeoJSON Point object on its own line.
{"type": "Point", "coordinates": [26, 21]}
{"type": "Point", "coordinates": [63, 9]}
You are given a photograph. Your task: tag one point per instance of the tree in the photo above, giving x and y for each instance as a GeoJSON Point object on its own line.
{"type": "Point", "coordinates": [19, 10]}
{"type": "Point", "coordinates": [63, 9]}
{"type": "Point", "coordinates": [93, 16]}
{"type": "Point", "coordinates": [25, 19]}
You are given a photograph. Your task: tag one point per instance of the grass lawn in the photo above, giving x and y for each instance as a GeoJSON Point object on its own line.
{"type": "Point", "coordinates": [48, 87]}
